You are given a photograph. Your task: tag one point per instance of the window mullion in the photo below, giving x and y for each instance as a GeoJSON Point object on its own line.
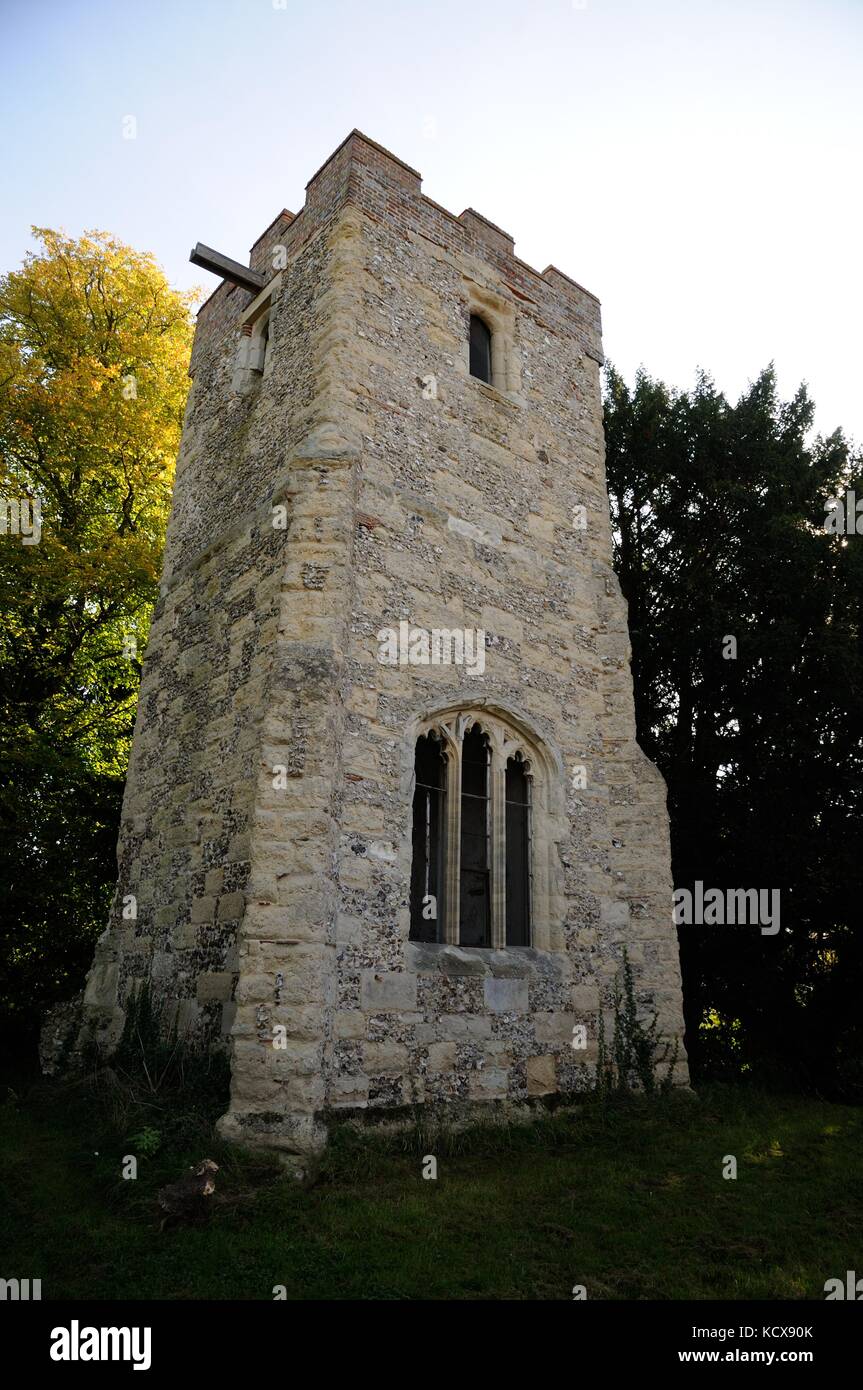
{"type": "Point", "coordinates": [498, 850]}
{"type": "Point", "coordinates": [452, 848]}
{"type": "Point", "coordinates": [530, 884]}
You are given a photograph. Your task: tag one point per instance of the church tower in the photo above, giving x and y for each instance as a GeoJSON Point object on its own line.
{"type": "Point", "coordinates": [387, 830]}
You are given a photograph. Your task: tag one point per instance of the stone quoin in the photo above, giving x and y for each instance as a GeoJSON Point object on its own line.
{"type": "Point", "coordinates": [381, 883]}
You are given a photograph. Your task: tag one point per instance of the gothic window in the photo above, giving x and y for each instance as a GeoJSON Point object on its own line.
{"type": "Point", "coordinates": [480, 349]}
{"type": "Point", "coordinates": [472, 880]}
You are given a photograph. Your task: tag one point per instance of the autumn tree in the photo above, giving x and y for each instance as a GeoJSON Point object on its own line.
{"type": "Point", "coordinates": [94, 347]}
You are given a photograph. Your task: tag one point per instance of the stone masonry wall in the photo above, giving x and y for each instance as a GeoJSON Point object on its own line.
{"type": "Point", "coordinates": [267, 822]}
{"type": "Point", "coordinates": [184, 852]}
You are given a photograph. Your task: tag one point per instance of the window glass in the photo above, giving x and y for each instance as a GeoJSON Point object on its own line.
{"type": "Point", "coordinates": [480, 349]}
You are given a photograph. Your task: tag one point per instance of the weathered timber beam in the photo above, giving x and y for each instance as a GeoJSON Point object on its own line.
{"type": "Point", "coordinates": [238, 274]}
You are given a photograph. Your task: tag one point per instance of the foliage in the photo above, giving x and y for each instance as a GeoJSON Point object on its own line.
{"type": "Point", "coordinates": [718, 512]}
{"type": "Point", "coordinates": [93, 351]}
{"type": "Point", "coordinates": [58, 835]}
{"type": "Point", "coordinates": [638, 1051]}
{"type": "Point", "coordinates": [155, 1085]}
{"type": "Point", "coordinates": [146, 1142]}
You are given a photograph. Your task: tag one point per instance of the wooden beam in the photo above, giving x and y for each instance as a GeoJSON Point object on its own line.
{"type": "Point", "coordinates": [238, 274]}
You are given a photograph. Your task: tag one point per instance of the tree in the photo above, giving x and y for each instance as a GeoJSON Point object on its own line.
{"type": "Point", "coordinates": [94, 346]}
{"type": "Point", "coordinates": [746, 619]}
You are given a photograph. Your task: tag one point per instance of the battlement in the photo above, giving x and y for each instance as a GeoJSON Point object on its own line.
{"type": "Point", "coordinates": [270, 236]}
{"type": "Point", "coordinates": [359, 148]}
{"type": "Point", "coordinates": [364, 174]}
{"type": "Point", "coordinates": [487, 232]}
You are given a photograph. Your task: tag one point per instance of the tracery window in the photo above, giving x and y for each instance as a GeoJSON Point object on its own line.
{"type": "Point", "coordinates": [472, 871]}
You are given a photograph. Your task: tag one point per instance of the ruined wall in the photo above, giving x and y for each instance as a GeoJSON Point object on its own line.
{"type": "Point", "coordinates": [268, 814]}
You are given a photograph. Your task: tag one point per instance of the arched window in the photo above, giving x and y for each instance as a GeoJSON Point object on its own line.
{"type": "Point", "coordinates": [480, 349]}
{"type": "Point", "coordinates": [472, 871]}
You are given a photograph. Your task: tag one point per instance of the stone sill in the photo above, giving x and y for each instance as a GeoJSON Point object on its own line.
{"type": "Point", "coordinates": [436, 957]}
{"type": "Point", "coordinates": [491, 393]}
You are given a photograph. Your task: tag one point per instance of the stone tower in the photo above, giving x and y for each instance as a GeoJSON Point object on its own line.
{"type": "Point", "coordinates": [387, 828]}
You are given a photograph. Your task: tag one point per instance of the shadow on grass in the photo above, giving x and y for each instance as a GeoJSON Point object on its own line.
{"type": "Point", "coordinates": [627, 1198]}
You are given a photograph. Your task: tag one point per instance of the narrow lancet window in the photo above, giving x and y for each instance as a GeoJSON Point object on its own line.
{"type": "Point", "coordinates": [475, 887]}
{"type": "Point", "coordinates": [517, 853]}
{"type": "Point", "coordinates": [430, 769]}
{"type": "Point", "coordinates": [480, 349]}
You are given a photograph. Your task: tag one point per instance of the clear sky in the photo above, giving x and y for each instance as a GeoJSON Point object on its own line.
{"type": "Point", "coordinates": [695, 163]}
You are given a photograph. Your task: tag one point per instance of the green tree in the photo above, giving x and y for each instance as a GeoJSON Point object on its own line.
{"type": "Point", "coordinates": [94, 346]}
{"type": "Point", "coordinates": [718, 511]}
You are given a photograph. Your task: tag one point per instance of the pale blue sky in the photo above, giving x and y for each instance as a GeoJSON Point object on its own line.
{"type": "Point", "coordinates": [695, 163]}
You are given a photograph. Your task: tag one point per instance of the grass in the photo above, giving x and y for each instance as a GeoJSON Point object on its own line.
{"type": "Point", "coordinates": [627, 1199]}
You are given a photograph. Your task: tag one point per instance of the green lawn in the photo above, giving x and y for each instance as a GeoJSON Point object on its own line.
{"type": "Point", "coordinates": [629, 1201]}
